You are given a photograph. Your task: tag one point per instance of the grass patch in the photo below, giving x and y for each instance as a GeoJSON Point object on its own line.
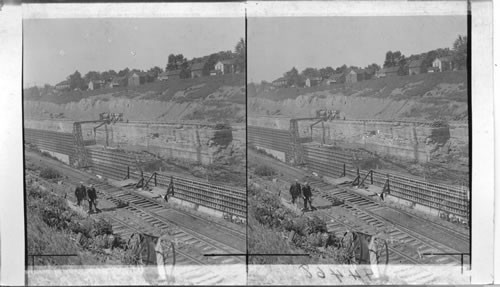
{"type": "Point", "coordinates": [264, 170]}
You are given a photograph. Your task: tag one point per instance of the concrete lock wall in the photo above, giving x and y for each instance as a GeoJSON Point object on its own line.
{"type": "Point", "coordinates": [406, 140]}
{"type": "Point", "coordinates": [188, 142]}
{"type": "Point", "coordinates": [276, 122]}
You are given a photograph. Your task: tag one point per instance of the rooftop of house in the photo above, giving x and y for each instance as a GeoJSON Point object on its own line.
{"type": "Point", "coordinates": [314, 78]}
{"type": "Point", "coordinates": [163, 74]}
{"type": "Point", "coordinates": [118, 79]}
{"type": "Point", "coordinates": [97, 81]}
{"type": "Point", "coordinates": [228, 61]}
{"type": "Point", "coordinates": [369, 70]}
{"type": "Point", "coordinates": [63, 83]}
{"type": "Point", "coordinates": [444, 59]}
{"type": "Point", "coordinates": [390, 69]}
{"type": "Point", "coordinates": [279, 80]}
{"type": "Point", "coordinates": [416, 63]}
{"type": "Point", "coordinates": [336, 76]}
{"type": "Point", "coordinates": [355, 70]}
{"type": "Point", "coordinates": [140, 74]}
{"type": "Point", "coordinates": [173, 72]}
{"type": "Point", "coordinates": [197, 66]}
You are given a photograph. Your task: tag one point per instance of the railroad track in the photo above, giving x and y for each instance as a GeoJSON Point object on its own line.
{"type": "Point", "coordinates": [369, 211]}
{"type": "Point", "coordinates": [411, 244]}
{"type": "Point", "coordinates": [125, 230]}
{"type": "Point", "coordinates": [159, 216]}
{"type": "Point", "coordinates": [154, 214]}
{"type": "Point", "coordinates": [188, 273]}
{"type": "Point", "coordinates": [325, 161]}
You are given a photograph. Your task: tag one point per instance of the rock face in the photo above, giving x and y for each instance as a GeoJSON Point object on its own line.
{"type": "Point", "coordinates": [225, 104]}
{"type": "Point", "coordinates": [419, 97]}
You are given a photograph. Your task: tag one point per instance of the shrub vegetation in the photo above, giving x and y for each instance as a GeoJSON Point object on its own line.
{"type": "Point", "coordinates": [53, 228]}
{"type": "Point", "coordinates": [49, 173]}
{"type": "Point", "coordinates": [264, 170]}
{"type": "Point", "coordinates": [275, 229]}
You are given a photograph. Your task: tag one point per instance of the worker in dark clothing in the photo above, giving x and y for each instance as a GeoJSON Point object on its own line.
{"type": "Point", "coordinates": [170, 189]}
{"type": "Point", "coordinates": [79, 191]}
{"type": "Point", "coordinates": [92, 197]}
{"type": "Point", "coordinates": [294, 190]}
{"type": "Point", "coordinates": [307, 195]}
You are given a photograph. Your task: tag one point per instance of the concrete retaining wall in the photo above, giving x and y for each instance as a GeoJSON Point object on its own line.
{"type": "Point", "coordinates": [189, 142]}
{"type": "Point", "coordinates": [405, 140]}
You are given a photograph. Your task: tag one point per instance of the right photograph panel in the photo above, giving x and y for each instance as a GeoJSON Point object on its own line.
{"type": "Point", "coordinates": [358, 150]}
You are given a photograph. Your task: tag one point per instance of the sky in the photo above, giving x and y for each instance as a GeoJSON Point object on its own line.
{"type": "Point", "coordinates": [56, 48]}
{"type": "Point", "coordinates": [277, 44]}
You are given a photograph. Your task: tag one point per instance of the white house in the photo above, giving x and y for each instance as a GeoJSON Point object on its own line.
{"type": "Point", "coordinates": [442, 64]}
{"type": "Point", "coordinates": [226, 66]}
{"type": "Point", "coordinates": [94, 85]}
{"type": "Point", "coordinates": [310, 82]}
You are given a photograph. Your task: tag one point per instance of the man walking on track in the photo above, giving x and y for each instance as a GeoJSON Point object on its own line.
{"type": "Point", "coordinates": [79, 193]}
{"type": "Point", "coordinates": [92, 194]}
{"type": "Point", "coordinates": [170, 189]}
{"type": "Point", "coordinates": [295, 190]}
{"type": "Point", "coordinates": [307, 195]}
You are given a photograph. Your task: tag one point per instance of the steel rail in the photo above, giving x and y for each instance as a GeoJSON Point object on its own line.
{"type": "Point", "coordinates": [442, 197]}
{"type": "Point", "coordinates": [430, 243]}
{"type": "Point", "coordinates": [135, 229]}
{"type": "Point", "coordinates": [143, 213]}
{"type": "Point", "coordinates": [148, 203]}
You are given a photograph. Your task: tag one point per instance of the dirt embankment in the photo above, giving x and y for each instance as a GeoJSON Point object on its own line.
{"type": "Point", "coordinates": [420, 97]}
{"type": "Point", "coordinates": [211, 99]}
{"type": "Point", "coordinates": [425, 97]}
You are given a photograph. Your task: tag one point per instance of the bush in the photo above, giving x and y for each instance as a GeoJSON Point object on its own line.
{"type": "Point", "coordinates": [264, 170]}
{"type": "Point", "coordinates": [270, 223]}
{"type": "Point", "coordinates": [103, 227]}
{"type": "Point", "coordinates": [49, 173]}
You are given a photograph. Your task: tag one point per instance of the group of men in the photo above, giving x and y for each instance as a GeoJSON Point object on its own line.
{"type": "Point", "coordinates": [87, 193]}
{"type": "Point", "coordinates": [304, 190]}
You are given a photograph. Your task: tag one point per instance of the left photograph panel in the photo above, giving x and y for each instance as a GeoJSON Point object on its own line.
{"type": "Point", "coordinates": [135, 149]}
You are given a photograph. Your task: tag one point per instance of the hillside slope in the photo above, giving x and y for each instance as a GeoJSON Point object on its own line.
{"type": "Point", "coordinates": [212, 99]}
{"type": "Point", "coordinates": [419, 97]}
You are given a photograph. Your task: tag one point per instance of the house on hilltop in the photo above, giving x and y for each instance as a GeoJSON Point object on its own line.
{"type": "Point", "coordinates": [336, 78]}
{"type": "Point", "coordinates": [313, 81]}
{"type": "Point", "coordinates": [173, 74]}
{"type": "Point", "coordinates": [354, 75]}
{"type": "Point", "coordinates": [387, 72]}
{"type": "Point", "coordinates": [416, 67]}
{"type": "Point", "coordinates": [62, 86]}
{"type": "Point", "coordinates": [197, 69]}
{"type": "Point", "coordinates": [369, 73]}
{"type": "Point", "coordinates": [136, 79]}
{"type": "Point", "coordinates": [442, 64]}
{"type": "Point", "coordinates": [118, 82]}
{"type": "Point", "coordinates": [226, 66]}
{"type": "Point", "coordinates": [95, 85]}
{"type": "Point", "coordinates": [280, 83]}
